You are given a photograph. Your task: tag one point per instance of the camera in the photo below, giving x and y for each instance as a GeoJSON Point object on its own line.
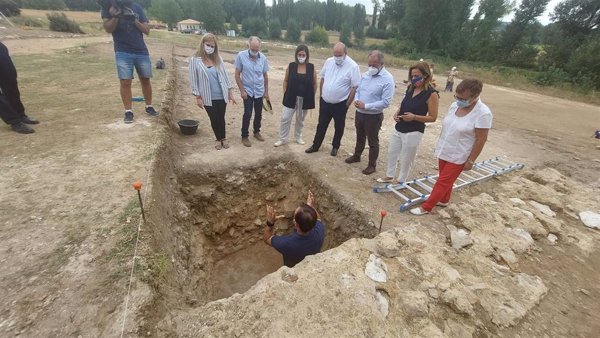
{"type": "Point", "coordinates": [124, 7]}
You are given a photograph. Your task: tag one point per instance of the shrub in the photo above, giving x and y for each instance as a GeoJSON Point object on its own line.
{"type": "Point", "coordinates": [60, 23]}
{"type": "Point", "coordinates": [27, 21]}
{"type": "Point", "coordinates": [399, 47]}
{"type": "Point", "coordinates": [318, 36]}
{"type": "Point", "coordinates": [233, 25]}
{"type": "Point", "coordinates": [254, 26]}
{"type": "Point", "coordinates": [293, 31]}
{"type": "Point", "coordinates": [377, 33]}
{"type": "Point", "coordinates": [346, 35]}
{"type": "Point", "coordinates": [9, 8]}
{"type": "Point", "coordinates": [275, 29]}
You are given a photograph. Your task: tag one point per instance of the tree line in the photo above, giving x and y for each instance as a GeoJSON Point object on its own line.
{"type": "Point", "coordinates": [566, 50]}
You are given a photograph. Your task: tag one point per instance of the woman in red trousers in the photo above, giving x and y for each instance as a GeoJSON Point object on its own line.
{"type": "Point", "coordinates": [464, 133]}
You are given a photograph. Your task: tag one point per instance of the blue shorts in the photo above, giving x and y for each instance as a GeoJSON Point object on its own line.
{"type": "Point", "coordinates": [127, 61]}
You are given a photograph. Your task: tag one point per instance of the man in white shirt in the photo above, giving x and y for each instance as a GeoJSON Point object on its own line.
{"type": "Point", "coordinates": [339, 78]}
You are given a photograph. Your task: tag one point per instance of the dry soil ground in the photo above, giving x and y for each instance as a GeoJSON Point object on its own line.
{"type": "Point", "coordinates": [68, 216]}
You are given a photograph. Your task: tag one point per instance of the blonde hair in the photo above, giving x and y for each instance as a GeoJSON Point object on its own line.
{"type": "Point", "coordinates": [214, 57]}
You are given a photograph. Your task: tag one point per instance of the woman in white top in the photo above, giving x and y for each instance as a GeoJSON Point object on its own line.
{"type": "Point", "coordinates": [211, 86]}
{"type": "Point", "coordinates": [464, 133]}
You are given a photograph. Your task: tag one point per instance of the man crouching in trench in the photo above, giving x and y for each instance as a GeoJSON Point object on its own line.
{"type": "Point", "coordinates": [306, 238]}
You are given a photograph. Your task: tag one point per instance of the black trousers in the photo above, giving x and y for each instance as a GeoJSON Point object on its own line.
{"type": "Point", "coordinates": [257, 104]}
{"type": "Point", "coordinates": [7, 113]}
{"type": "Point", "coordinates": [367, 128]}
{"type": "Point", "coordinates": [11, 108]}
{"type": "Point", "coordinates": [328, 111]}
{"type": "Point", "coordinates": [216, 114]}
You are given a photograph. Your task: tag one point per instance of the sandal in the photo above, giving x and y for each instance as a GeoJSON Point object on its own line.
{"type": "Point", "coordinates": [225, 144]}
{"type": "Point", "coordinates": [218, 145]}
{"type": "Point", "coordinates": [385, 180]}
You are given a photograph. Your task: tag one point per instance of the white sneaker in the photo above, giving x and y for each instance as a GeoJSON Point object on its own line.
{"type": "Point", "coordinates": [279, 143]}
{"type": "Point", "coordinates": [300, 141]}
{"type": "Point", "coordinates": [442, 204]}
{"type": "Point", "coordinates": [418, 211]}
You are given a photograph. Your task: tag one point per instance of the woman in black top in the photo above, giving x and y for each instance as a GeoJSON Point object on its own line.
{"type": "Point", "coordinates": [419, 106]}
{"type": "Point", "coordinates": [299, 86]}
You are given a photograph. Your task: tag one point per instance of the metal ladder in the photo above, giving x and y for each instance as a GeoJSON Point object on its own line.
{"type": "Point", "coordinates": [418, 190]}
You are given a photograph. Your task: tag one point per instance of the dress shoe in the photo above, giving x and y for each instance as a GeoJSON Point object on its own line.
{"type": "Point", "coordinates": [246, 142]}
{"type": "Point", "coordinates": [353, 159]}
{"type": "Point", "coordinates": [312, 149]}
{"type": "Point", "coordinates": [368, 170]}
{"type": "Point", "coordinates": [21, 128]}
{"type": "Point", "coordinates": [29, 120]}
{"type": "Point", "coordinates": [334, 151]}
{"type": "Point", "coordinates": [259, 137]}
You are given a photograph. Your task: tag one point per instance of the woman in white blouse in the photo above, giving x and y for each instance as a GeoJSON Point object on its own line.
{"type": "Point", "coordinates": [211, 86]}
{"type": "Point", "coordinates": [464, 133]}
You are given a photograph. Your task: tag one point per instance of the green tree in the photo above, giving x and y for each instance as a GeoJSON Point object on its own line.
{"type": "Point", "coordinates": [254, 26]}
{"type": "Point", "coordinates": [318, 36]}
{"type": "Point", "coordinates": [167, 11]}
{"type": "Point", "coordinates": [346, 35]}
{"type": "Point", "coordinates": [359, 36]}
{"type": "Point", "coordinates": [9, 8]}
{"type": "Point", "coordinates": [233, 25]}
{"type": "Point", "coordinates": [484, 37]}
{"type": "Point", "coordinates": [525, 16]}
{"type": "Point", "coordinates": [275, 29]}
{"type": "Point", "coordinates": [293, 32]}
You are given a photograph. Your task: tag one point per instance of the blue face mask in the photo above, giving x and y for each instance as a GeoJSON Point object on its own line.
{"type": "Point", "coordinates": [462, 103]}
{"type": "Point", "coordinates": [416, 80]}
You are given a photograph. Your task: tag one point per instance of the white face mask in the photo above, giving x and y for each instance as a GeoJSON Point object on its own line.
{"type": "Point", "coordinates": [339, 60]}
{"type": "Point", "coordinates": [301, 59]}
{"type": "Point", "coordinates": [373, 71]}
{"type": "Point", "coordinates": [208, 49]}
{"type": "Point", "coordinates": [252, 53]}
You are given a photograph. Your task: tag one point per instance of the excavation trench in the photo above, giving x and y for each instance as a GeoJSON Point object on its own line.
{"type": "Point", "coordinates": [212, 220]}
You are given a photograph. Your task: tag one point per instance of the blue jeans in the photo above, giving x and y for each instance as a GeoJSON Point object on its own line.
{"type": "Point", "coordinates": [127, 61]}
{"type": "Point", "coordinates": [257, 104]}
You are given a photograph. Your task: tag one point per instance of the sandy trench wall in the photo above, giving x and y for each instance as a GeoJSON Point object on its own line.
{"type": "Point", "coordinates": [198, 216]}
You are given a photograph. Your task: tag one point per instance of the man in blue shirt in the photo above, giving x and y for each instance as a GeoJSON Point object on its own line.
{"type": "Point", "coordinates": [127, 22]}
{"type": "Point", "coordinates": [374, 94]}
{"type": "Point", "coordinates": [306, 239]}
{"type": "Point", "coordinates": [251, 67]}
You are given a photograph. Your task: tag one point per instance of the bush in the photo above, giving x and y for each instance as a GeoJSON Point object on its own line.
{"type": "Point", "coordinates": [254, 26]}
{"type": "Point", "coordinates": [27, 21]}
{"type": "Point", "coordinates": [293, 31]}
{"type": "Point", "coordinates": [275, 29]}
{"type": "Point", "coordinates": [233, 25]}
{"type": "Point", "coordinates": [60, 23]}
{"type": "Point", "coordinates": [377, 33]}
{"type": "Point", "coordinates": [318, 36]}
{"type": "Point", "coordinates": [399, 47]}
{"type": "Point", "coordinates": [552, 76]}
{"type": "Point", "coordinates": [9, 8]}
{"type": "Point", "coordinates": [346, 35]}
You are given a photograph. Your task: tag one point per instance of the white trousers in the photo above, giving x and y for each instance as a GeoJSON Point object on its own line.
{"type": "Point", "coordinates": [403, 149]}
{"type": "Point", "coordinates": [286, 120]}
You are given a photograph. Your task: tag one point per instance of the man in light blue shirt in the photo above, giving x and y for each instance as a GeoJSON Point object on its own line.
{"type": "Point", "coordinates": [251, 67]}
{"type": "Point", "coordinates": [374, 94]}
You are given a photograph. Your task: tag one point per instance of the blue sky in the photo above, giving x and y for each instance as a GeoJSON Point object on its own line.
{"type": "Point", "coordinates": [544, 19]}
